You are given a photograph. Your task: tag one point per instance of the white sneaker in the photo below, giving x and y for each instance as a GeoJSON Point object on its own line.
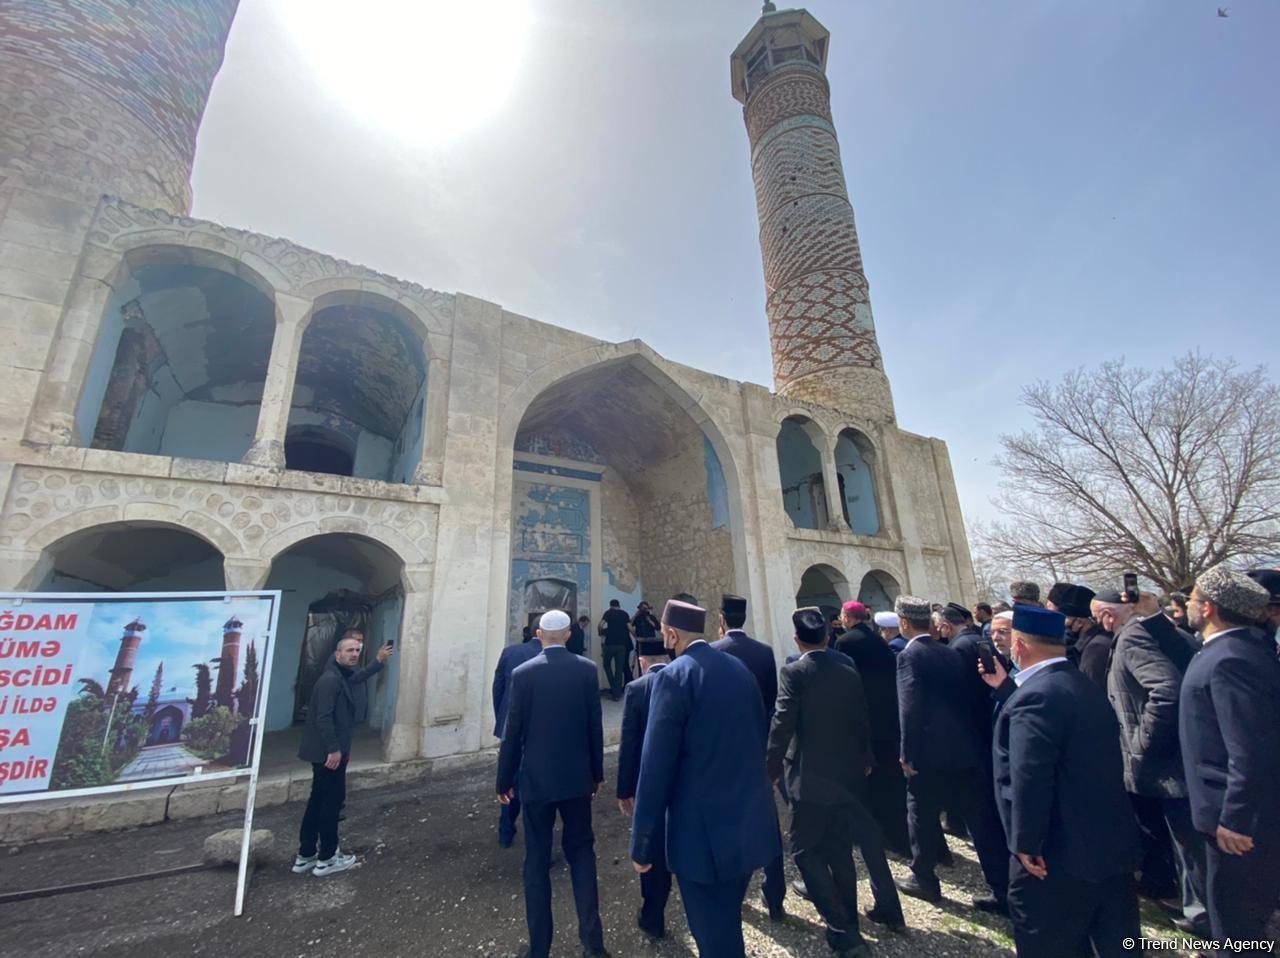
{"type": "Point", "coordinates": [340, 862]}
{"type": "Point", "coordinates": [303, 864]}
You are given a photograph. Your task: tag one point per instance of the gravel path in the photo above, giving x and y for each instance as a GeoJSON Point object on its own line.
{"type": "Point", "coordinates": [432, 882]}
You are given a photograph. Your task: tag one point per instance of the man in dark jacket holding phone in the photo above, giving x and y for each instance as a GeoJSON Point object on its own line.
{"type": "Point", "coordinates": [337, 701]}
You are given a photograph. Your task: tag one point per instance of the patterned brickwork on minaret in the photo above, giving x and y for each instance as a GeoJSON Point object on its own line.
{"type": "Point", "coordinates": [126, 658]}
{"type": "Point", "coordinates": [820, 325]}
{"type": "Point", "coordinates": [107, 95]}
{"type": "Point", "coordinates": [228, 663]}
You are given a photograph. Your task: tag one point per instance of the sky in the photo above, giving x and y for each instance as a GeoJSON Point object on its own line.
{"type": "Point", "coordinates": [1037, 185]}
{"type": "Point", "coordinates": [178, 635]}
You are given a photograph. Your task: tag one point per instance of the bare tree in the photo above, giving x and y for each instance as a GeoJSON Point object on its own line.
{"type": "Point", "coordinates": [1164, 473]}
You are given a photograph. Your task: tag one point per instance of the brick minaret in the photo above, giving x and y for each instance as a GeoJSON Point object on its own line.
{"type": "Point", "coordinates": [820, 326]}
{"type": "Point", "coordinates": [105, 96]}
{"type": "Point", "coordinates": [126, 658]}
{"type": "Point", "coordinates": [230, 663]}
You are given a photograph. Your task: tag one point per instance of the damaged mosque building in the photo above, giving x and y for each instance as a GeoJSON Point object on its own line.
{"type": "Point", "coordinates": [188, 406]}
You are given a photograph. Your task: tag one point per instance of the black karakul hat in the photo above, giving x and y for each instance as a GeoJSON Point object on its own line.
{"type": "Point", "coordinates": [1269, 579]}
{"type": "Point", "coordinates": [733, 604]}
{"type": "Point", "coordinates": [651, 647]}
{"type": "Point", "coordinates": [1074, 600]}
{"type": "Point", "coordinates": [811, 626]}
{"type": "Point", "coordinates": [684, 616]}
{"type": "Point", "coordinates": [957, 608]}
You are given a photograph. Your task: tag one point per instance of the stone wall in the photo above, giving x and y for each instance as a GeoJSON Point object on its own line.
{"type": "Point", "coordinates": [109, 93]}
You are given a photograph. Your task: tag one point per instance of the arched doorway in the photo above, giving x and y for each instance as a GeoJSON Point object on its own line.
{"type": "Point", "coordinates": [329, 583]}
{"type": "Point", "coordinates": [804, 495]}
{"type": "Point", "coordinates": [360, 392]}
{"type": "Point", "coordinates": [181, 357]}
{"type": "Point", "coordinates": [619, 493]}
{"type": "Point", "coordinates": [878, 591]}
{"type": "Point", "coordinates": [823, 586]}
{"type": "Point", "coordinates": [855, 459]}
{"type": "Point", "coordinates": [131, 557]}
{"type": "Point", "coordinates": [166, 725]}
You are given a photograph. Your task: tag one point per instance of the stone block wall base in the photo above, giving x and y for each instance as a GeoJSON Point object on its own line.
{"type": "Point", "coordinates": [28, 822]}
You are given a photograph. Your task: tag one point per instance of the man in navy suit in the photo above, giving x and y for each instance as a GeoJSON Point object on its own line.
{"type": "Point", "coordinates": [942, 757]}
{"type": "Point", "coordinates": [1060, 787]}
{"type": "Point", "coordinates": [1229, 724]}
{"type": "Point", "coordinates": [553, 743]}
{"type": "Point", "coordinates": [702, 767]}
{"type": "Point", "coordinates": [759, 660]}
{"type": "Point", "coordinates": [511, 657]}
{"type": "Point", "coordinates": [655, 884]}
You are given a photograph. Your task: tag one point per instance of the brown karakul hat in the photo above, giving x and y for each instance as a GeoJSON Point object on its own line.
{"type": "Point", "coordinates": [684, 616]}
{"type": "Point", "coordinates": [1234, 591]}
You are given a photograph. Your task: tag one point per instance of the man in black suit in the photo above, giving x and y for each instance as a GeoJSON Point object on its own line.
{"type": "Point", "coordinates": [1060, 782]}
{"type": "Point", "coordinates": [511, 657]}
{"type": "Point", "coordinates": [760, 662]}
{"type": "Point", "coordinates": [886, 788]}
{"type": "Point", "coordinates": [554, 743]}
{"type": "Point", "coordinates": [655, 884]}
{"type": "Point", "coordinates": [941, 756]}
{"type": "Point", "coordinates": [1230, 732]}
{"type": "Point", "coordinates": [821, 730]}
{"type": "Point", "coordinates": [1143, 685]}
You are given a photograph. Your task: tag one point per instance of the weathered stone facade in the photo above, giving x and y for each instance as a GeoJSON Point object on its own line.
{"type": "Point", "coordinates": [681, 467]}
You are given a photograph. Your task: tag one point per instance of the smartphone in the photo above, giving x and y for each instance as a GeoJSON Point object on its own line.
{"type": "Point", "coordinates": [391, 643]}
{"type": "Point", "coordinates": [987, 656]}
{"type": "Point", "coordinates": [1131, 587]}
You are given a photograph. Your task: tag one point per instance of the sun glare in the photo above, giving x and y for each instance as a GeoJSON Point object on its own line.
{"type": "Point", "coordinates": [424, 69]}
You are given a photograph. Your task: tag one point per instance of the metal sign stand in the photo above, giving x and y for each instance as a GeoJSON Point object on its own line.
{"type": "Point", "coordinates": [256, 723]}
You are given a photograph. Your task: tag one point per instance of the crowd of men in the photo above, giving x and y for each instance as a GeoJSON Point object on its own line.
{"type": "Point", "coordinates": [1091, 747]}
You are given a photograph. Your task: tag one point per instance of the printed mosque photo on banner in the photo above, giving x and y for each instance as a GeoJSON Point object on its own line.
{"type": "Point", "coordinates": [164, 689]}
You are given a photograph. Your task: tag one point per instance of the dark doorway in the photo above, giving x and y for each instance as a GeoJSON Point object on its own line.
{"type": "Point", "coordinates": [327, 620]}
{"type": "Point", "coordinates": [310, 452]}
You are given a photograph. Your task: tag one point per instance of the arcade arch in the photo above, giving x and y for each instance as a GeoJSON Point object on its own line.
{"type": "Point", "coordinates": [804, 493]}
{"type": "Point", "coordinates": [180, 360]}
{"type": "Point", "coordinates": [824, 586]}
{"type": "Point", "coordinates": [331, 582]}
{"type": "Point", "coordinates": [878, 591]}
{"type": "Point", "coordinates": [360, 391]}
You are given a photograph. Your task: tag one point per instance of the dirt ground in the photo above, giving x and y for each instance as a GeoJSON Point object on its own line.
{"type": "Point", "coordinates": [432, 881]}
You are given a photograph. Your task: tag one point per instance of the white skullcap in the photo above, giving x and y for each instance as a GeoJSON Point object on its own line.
{"type": "Point", "coordinates": [887, 620]}
{"type": "Point", "coordinates": [553, 621]}
{"type": "Point", "coordinates": [1004, 616]}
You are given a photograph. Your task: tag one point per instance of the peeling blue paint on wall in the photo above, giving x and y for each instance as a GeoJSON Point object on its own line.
{"type": "Point", "coordinates": [717, 488]}
{"type": "Point", "coordinates": [551, 539]}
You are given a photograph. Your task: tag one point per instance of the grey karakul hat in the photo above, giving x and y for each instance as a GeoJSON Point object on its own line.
{"type": "Point", "coordinates": [1234, 591]}
{"type": "Point", "coordinates": [912, 607]}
